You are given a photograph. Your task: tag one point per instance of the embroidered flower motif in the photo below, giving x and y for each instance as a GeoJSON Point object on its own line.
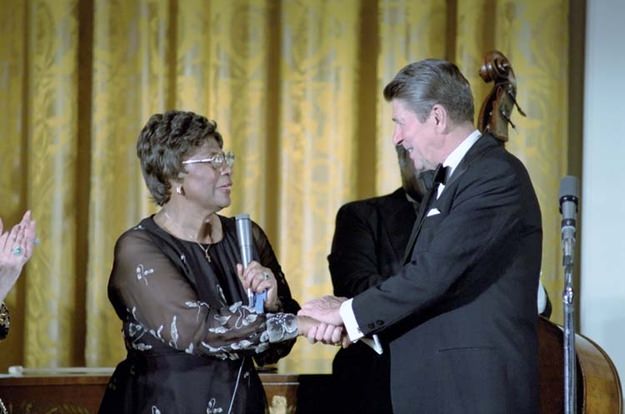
{"type": "Point", "coordinates": [281, 326]}
{"type": "Point", "coordinates": [218, 330]}
{"type": "Point", "coordinates": [143, 273]}
{"type": "Point", "coordinates": [158, 334]}
{"type": "Point", "coordinates": [263, 346]}
{"type": "Point", "coordinates": [174, 333]}
{"type": "Point", "coordinates": [212, 407]}
{"type": "Point", "coordinates": [197, 304]}
{"type": "Point", "coordinates": [140, 346]}
{"type": "Point", "coordinates": [222, 297]}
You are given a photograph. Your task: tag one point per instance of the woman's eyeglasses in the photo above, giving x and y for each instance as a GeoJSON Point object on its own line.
{"type": "Point", "coordinates": [217, 161]}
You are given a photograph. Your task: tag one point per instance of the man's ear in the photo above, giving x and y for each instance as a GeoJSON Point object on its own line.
{"type": "Point", "coordinates": [440, 117]}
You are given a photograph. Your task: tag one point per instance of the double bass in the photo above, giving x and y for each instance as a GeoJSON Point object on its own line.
{"type": "Point", "coordinates": [598, 385]}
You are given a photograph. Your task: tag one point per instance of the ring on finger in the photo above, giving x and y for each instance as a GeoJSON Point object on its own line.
{"type": "Point", "coordinates": [17, 251]}
{"type": "Point", "coordinates": [265, 276]}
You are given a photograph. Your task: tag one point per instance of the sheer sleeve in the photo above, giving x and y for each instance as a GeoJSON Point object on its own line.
{"type": "Point", "coordinates": [286, 303]}
{"type": "Point", "coordinates": [160, 306]}
{"type": "Point", "coordinates": [5, 321]}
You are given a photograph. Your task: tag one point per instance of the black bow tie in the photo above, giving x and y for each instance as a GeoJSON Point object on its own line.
{"type": "Point", "coordinates": [441, 174]}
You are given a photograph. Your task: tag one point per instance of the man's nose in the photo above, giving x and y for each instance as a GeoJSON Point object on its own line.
{"type": "Point", "coordinates": [397, 137]}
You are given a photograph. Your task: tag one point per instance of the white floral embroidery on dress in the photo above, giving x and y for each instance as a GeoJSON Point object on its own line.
{"type": "Point", "coordinates": [174, 333]}
{"type": "Point", "coordinates": [197, 304]}
{"type": "Point", "coordinates": [222, 297]}
{"type": "Point", "coordinates": [158, 334]}
{"type": "Point", "coordinates": [143, 273]}
{"type": "Point", "coordinates": [212, 409]}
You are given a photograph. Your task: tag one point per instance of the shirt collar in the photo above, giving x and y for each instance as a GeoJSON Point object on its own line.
{"type": "Point", "coordinates": [461, 150]}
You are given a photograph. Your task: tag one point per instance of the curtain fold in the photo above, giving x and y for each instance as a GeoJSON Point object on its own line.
{"type": "Point", "coordinates": [296, 89]}
{"type": "Point", "coordinates": [316, 136]}
{"type": "Point", "coordinates": [50, 324]}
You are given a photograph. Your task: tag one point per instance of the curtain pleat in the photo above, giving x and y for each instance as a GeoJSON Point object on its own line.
{"type": "Point", "coordinates": [13, 155]}
{"type": "Point", "coordinates": [316, 137]}
{"type": "Point", "coordinates": [51, 321]}
{"type": "Point", "coordinates": [538, 44]}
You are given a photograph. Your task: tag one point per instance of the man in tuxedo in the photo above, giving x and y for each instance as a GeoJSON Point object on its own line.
{"type": "Point", "coordinates": [463, 306]}
{"type": "Point", "coordinates": [368, 247]}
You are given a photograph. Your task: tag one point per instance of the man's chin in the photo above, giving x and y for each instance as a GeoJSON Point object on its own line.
{"type": "Point", "coordinates": [419, 166]}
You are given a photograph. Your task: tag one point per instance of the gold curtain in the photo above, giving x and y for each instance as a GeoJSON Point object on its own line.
{"type": "Point", "coordinates": [295, 86]}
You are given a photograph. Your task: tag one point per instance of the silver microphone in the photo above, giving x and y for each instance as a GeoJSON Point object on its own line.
{"type": "Point", "coordinates": [244, 234]}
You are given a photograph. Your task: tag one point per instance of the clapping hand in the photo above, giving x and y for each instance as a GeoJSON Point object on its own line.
{"type": "Point", "coordinates": [16, 247]}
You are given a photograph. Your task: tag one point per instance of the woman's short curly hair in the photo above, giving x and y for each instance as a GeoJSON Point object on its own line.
{"type": "Point", "coordinates": [164, 142]}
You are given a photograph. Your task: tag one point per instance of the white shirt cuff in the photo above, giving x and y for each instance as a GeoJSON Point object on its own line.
{"type": "Point", "coordinates": [349, 320]}
{"type": "Point", "coordinates": [353, 331]}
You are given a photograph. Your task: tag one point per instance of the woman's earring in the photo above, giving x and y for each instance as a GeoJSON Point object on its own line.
{"type": "Point", "coordinates": [179, 190]}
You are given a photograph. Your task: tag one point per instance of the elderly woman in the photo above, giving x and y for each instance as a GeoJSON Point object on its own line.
{"type": "Point", "coordinates": [16, 247]}
{"type": "Point", "coordinates": [181, 293]}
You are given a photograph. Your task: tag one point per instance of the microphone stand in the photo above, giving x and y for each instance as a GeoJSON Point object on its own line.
{"type": "Point", "coordinates": [568, 208]}
{"type": "Point", "coordinates": [568, 295]}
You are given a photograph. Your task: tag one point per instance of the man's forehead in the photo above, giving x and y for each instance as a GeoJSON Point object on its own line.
{"type": "Point", "coordinates": [402, 111]}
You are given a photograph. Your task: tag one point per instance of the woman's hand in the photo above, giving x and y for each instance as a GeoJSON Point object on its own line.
{"type": "Point", "coordinates": [317, 331]}
{"type": "Point", "coordinates": [259, 278]}
{"type": "Point", "coordinates": [16, 247]}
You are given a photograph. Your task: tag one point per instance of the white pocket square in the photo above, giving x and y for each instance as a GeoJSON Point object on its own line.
{"type": "Point", "coordinates": [433, 212]}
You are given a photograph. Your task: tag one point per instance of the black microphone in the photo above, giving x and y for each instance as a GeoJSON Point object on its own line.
{"type": "Point", "coordinates": [568, 209]}
{"type": "Point", "coordinates": [244, 234]}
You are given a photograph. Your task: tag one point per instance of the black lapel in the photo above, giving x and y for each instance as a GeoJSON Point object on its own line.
{"type": "Point", "coordinates": [417, 224]}
{"type": "Point", "coordinates": [483, 145]}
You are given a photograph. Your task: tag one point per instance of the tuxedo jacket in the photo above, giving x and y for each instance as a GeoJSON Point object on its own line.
{"type": "Point", "coordinates": [463, 307]}
{"type": "Point", "coordinates": [368, 247]}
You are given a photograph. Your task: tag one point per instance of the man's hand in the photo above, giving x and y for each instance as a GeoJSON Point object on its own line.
{"type": "Point", "coordinates": [325, 309]}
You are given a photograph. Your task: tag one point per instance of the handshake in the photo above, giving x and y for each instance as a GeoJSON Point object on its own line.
{"type": "Point", "coordinates": [320, 321]}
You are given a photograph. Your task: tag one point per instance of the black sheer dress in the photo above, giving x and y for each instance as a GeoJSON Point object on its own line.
{"type": "Point", "coordinates": [190, 336]}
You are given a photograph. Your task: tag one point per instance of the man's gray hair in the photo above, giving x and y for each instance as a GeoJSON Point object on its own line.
{"type": "Point", "coordinates": [426, 83]}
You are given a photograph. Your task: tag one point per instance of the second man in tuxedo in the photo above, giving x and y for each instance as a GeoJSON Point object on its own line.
{"type": "Point", "coordinates": [368, 247]}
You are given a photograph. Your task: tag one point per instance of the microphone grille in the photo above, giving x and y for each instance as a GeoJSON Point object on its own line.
{"type": "Point", "coordinates": [242, 216]}
{"type": "Point", "coordinates": [568, 186]}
